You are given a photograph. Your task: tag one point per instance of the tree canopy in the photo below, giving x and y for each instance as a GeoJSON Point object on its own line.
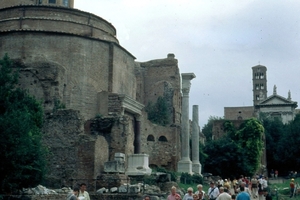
{"type": "Point", "coordinates": [21, 117]}
{"type": "Point", "coordinates": [158, 112]}
{"type": "Point", "coordinates": [237, 152]}
{"type": "Point", "coordinates": [282, 144]}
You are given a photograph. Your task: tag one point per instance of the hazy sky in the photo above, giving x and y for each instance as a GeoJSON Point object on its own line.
{"type": "Point", "coordinates": [218, 40]}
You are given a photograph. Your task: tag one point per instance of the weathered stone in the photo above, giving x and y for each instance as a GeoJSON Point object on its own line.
{"type": "Point", "coordinates": [101, 191]}
{"type": "Point", "coordinates": [72, 59]}
{"type": "Point", "coordinates": [123, 189]}
{"type": "Point", "coordinates": [113, 189]}
{"type": "Point", "coordinates": [114, 166]}
{"type": "Point", "coordinates": [134, 189]}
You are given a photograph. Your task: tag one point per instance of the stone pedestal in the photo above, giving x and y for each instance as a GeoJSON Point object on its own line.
{"type": "Point", "coordinates": [138, 165]}
{"type": "Point", "coordinates": [196, 166]}
{"type": "Point", "coordinates": [117, 165]}
{"type": "Point", "coordinates": [185, 164]}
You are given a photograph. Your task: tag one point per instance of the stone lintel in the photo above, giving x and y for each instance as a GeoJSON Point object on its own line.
{"type": "Point", "coordinates": [131, 105]}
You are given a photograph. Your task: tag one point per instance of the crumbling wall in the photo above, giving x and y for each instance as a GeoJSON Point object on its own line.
{"type": "Point", "coordinates": [162, 144]}
{"type": "Point", "coordinates": [162, 78]}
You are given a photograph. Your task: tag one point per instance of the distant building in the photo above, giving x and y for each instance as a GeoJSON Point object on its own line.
{"type": "Point", "coordinates": [274, 106]}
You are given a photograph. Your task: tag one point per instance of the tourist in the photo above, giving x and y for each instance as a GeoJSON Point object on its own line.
{"type": "Point", "coordinates": [276, 173]}
{"type": "Point", "coordinates": [264, 183]}
{"type": "Point", "coordinates": [195, 197]}
{"type": "Point", "coordinates": [267, 195]}
{"type": "Point", "coordinates": [213, 192]}
{"type": "Point", "coordinates": [200, 192]}
{"type": "Point", "coordinates": [189, 194]}
{"type": "Point", "coordinates": [223, 195]}
{"type": "Point", "coordinates": [243, 188]}
{"type": "Point", "coordinates": [173, 195]}
{"type": "Point", "coordinates": [83, 192]}
{"type": "Point", "coordinates": [147, 197]}
{"type": "Point", "coordinates": [254, 186]}
{"type": "Point", "coordinates": [272, 173]}
{"type": "Point", "coordinates": [243, 196]}
{"type": "Point", "coordinates": [226, 184]}
{"type": "Point", "coordinates": [292, 188]}
{"type": "Point", "coordinates": [233, 197]}
{"type": "Point", "coordinates": [261, 194]}
{"type": "Point", "coordinates": [74, 194]}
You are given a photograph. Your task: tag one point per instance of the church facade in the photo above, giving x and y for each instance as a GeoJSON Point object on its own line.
{"type": "Point", "coordinates": [274, 106]}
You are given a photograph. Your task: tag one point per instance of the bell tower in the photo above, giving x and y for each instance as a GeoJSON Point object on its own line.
{"type": "Point", "coordinates": [64, 3]}
{"type": "Point", "coordinates": [259, 79]}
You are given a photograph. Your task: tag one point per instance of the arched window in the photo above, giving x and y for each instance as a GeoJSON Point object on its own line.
{"type": "Point", "coordinates": [162, 139]}
{"type": "Point", "coordinates": [150, 138]}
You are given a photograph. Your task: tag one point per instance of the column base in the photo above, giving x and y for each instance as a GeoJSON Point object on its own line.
{"type": "Point", "coordinates": [138, 165]}
{"type": "Point", "coordinates": [196, 168]}
{"type": "Point", "coordinates": [184, 166]}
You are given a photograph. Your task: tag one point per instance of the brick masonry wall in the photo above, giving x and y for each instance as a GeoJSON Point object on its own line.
{"type": "Point", "coordinates": [161, 153]}
{"type": "Point", "coordinates": [57, 19]}
{"type": "Point", "coordinates": [61, 136]}
{"type": "Point", "coordinates": [78, 78]}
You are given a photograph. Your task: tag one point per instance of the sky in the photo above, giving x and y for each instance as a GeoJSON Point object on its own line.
{"type": "Point", "coordinates": [217, 40]}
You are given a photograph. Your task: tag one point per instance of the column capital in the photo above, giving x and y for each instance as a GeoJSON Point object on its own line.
{"type": "Point", "coordinates": [186, 82]}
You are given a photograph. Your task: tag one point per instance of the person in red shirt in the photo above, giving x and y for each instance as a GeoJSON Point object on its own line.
{"type": "Point", "coordinates": [292, 187]}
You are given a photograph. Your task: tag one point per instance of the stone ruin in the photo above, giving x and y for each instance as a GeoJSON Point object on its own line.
{"type": "Point", "coordinates": [71, 59]}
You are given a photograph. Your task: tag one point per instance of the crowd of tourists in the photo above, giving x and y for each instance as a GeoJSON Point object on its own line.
{"type": "Point", "coordinates": [244, 188]}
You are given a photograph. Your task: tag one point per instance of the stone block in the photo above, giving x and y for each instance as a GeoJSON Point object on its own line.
{"type": "Point", "coordinates": [114, 167]}
{"type": "Point", "coordinates": [138, 164]}
{"type": "Point", "coordinates": [120, 157]}
{"type": "Point", "coordinates": [101, 190]}
{"type": "Point", "coordinates": [113, 189]}
{"type": "Point", "coordinates": [123, 189]}
{"type": "Point", "coordinates": [134, 189]}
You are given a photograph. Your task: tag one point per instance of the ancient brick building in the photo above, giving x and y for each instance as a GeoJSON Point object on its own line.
{"type": "Point", "coordinates": [70, 58]}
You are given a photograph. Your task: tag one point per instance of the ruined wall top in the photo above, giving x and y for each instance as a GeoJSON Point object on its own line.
{"type": "Point", "coordinates": [9, 3]}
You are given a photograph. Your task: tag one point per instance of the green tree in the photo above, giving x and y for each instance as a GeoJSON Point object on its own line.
{"type": "Point", "coordinates": [22, 155]}
{"type": "Point", "coordinates": [274, 132]}
{"type": "Point", "coordinates": [250, 142]}
{"type": "Point", "coordinates": [237, 152]}
{"type": "Point", "coordinates": [223, 157]}
{"type": "Point", "coordinates": [158, 113]}
{"type": "Point", "coordinates": [207, 128]}
{"type": "Point", "coordinates": [288, 150]}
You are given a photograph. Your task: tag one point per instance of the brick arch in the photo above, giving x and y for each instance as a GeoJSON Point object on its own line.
{"type": "Point", "coordinates": [162, 139]}
{"type": "Point", "coordinates": [151, 138]}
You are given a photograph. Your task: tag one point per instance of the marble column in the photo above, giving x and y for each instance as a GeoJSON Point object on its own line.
{"type": "Point", "coordinates": [196, 166]}
{"type": "Point", "coordinates": [185, 164]}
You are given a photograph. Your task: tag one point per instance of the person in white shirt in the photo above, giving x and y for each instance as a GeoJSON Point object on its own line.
{"type": "Point", "coordinates": [213, 191]}
{"type": "Point", "coordinates": [83, 192]}
{"type": "Point", "coordinates": [243, 188]}
{"type": "Point", "coordinates": [223, 195]}
{"type": "Point", "coordinates": [189, 194]}
{"type": "Point", "coordinates": [200, 192]}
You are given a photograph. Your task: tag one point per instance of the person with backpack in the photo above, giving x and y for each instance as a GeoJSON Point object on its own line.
{"type": "Point", "coordinates": [213, 191]}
